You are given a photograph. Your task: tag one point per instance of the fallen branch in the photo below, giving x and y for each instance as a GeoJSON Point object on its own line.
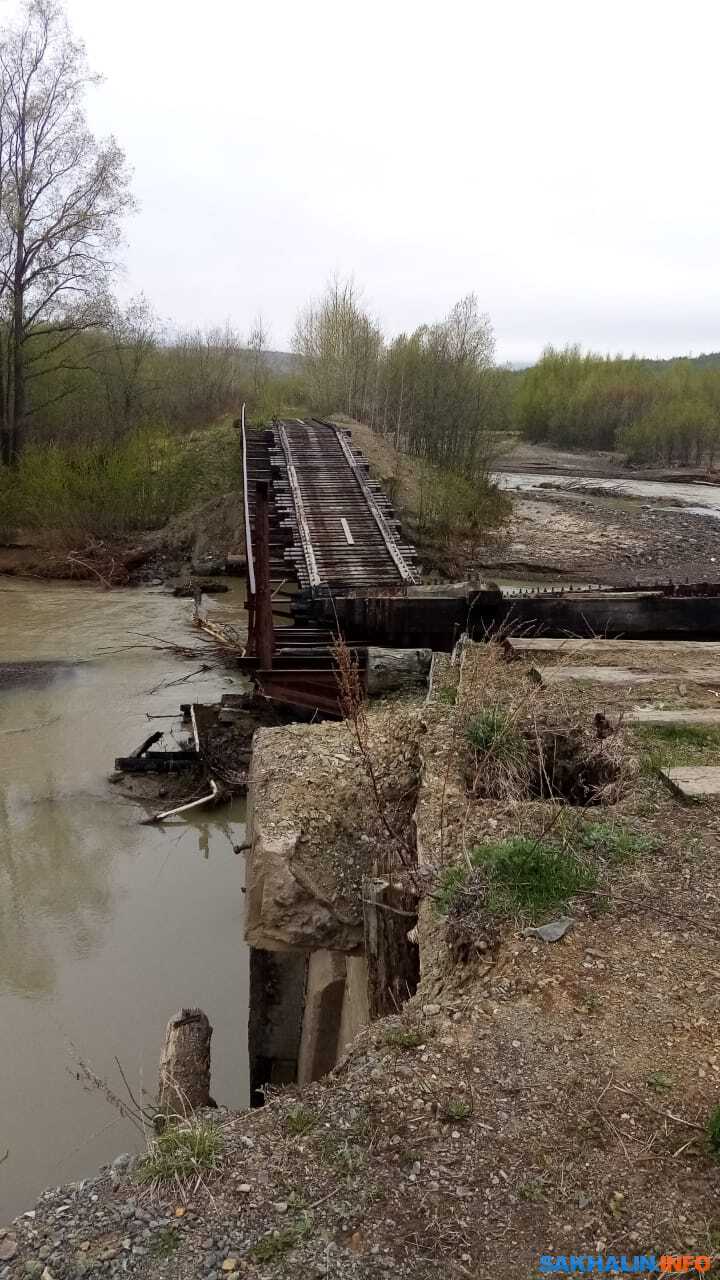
{"type": "Point", "coordinates": [659, 1111]}
{"type": "Point", "coordinates": [183, 808]}
{"type": "Point", "coordinates": [168, 684]}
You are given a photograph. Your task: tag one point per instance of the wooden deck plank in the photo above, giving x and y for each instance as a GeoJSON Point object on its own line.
{"type": "Point", "coordinates": [541, 644]}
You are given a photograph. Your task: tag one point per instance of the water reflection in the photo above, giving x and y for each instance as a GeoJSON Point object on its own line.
{"type": "Point", "coordinates": [52, 873]}
{"type": "Point", "coordinates": [106, 926]}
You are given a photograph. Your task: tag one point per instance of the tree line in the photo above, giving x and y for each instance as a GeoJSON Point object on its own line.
{"type": "Point", "coordinates": [435, 392]}
{"type": "Point", "coordinates": [652, 411]}
{"type": "Point", "coordinates": [75, 365]}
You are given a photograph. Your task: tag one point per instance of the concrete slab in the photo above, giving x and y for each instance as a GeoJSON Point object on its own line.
{"type": "Point", "coordinates": [625, 675]}
{"type": "Point", "coordinates": [701, 783]}
{"type": "Point", "coordinates": [542, 644]}
{"type": "Point", "coordinates": [650, 715]}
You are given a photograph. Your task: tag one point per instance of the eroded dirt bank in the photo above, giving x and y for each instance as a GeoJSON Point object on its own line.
{"type": "Point", "coordinates": [533, 1097]}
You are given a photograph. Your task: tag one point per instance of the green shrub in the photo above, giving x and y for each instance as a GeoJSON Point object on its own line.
{"type": "Point", "coordinates": [112, 490]}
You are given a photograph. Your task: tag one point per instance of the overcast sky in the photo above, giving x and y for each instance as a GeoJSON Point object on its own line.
{"type": "Point", "coordinates": [559, 159]}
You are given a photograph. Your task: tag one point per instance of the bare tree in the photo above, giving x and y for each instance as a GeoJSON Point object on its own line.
{"type": "Point", "coordinates": [131, 338]}
{"type": "Point", "coordinates": [340, 345]}
{"type": "Point", "coordinates": [62, 195]}
{"type": "Point", "coordinates": [257, 346]}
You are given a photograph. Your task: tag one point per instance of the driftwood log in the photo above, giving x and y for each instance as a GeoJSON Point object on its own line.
{"type": "Point", "coordinates": [393, 961]}
{"type": "Point", "coordinates": [185, 1064]}
{"type": "Point", "coordinates": [392, 670]}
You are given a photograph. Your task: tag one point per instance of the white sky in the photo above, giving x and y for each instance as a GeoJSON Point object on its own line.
{"type": "Point", "coordinates": [557, 157]}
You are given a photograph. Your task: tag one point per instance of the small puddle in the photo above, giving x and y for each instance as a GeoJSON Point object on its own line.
{"type": "Point", "coordinates": [107, 927]}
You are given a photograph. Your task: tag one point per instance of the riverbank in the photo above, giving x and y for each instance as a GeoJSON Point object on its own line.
{"type": "Point", "coordinates": [516, 454]}
{"type": "Point", "coordinates": [588, 536]}
{"type": "Point", "coordinates": [534, 1097]}
{"type": "Point", "coordinates": [558, 517]}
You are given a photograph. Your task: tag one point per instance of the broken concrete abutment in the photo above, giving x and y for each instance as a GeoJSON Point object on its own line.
{"type": "Point", "coordinates": [330, 899]}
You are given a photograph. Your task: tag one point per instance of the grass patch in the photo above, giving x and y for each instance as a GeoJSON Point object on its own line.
{"type": "Point", "coordinates": [493, 732]}
{"type": "Point", "coordinates": [616, 844]}
{"type": "Point", "coordinates": [665, 746]}
{"type": "Point", "coordinates": [514, 876]}
{"type": "Point", "coordinates": [403, 1038]}
{"type": "Point", "coordinates": [299, 1121]}
{"type": "Point", "coordinates": [275, 1245]}
{"type": "Point", "coordinates": [182, 1152]}
{"type": "Point", "coordinates": [447, 695]}
{"type": "Point", "coordinates": [501, 758]}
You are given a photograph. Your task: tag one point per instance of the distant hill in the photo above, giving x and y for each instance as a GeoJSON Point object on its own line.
{"type": "Point", "coordinates": [709, 358]}
{"type": "Point", "coordinates": [280, 362]}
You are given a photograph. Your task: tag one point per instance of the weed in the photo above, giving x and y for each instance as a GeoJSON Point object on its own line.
{"type": "Point", "coordinates": [493, 732]}
{"type": "Point", "coordinates": [340, 1153]}
{"type": "Point", "coordinates": [275, 1245]}
{"type": "Point", "coordinates": [591, 1001]}
{"type": "Point", "coordinates": [667, 745]}
{"type": "Point", "coordinates": [456, 1109]}
{"type": "Point", "coordinates": [165, 1242]}
{"type": "Point", "coordinates": [182, 1152]}
{"type": "Point", "coordinates": [617, 844]}
{"type": "Point", "coordinates": [713, 1132]}
{"type": "Point", "coordinates": [447, 695]}
{"type": "Point", "coordinates": [660, 1081]}
{"type": "Point", "coordinates": [500, 753]}
{"type": "Point", "coordinates": [450, 889]}
{"type": "Point", "coordinates": [533, 1191]}
{"type": "Point", "coordinates": [299, 1121]}
{"type": "Point", "coordinates": [514, 875]}
{"type": "Point", "coordinates": [403, 1038]}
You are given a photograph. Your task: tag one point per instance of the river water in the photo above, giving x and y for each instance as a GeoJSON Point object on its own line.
{"type": "Point", "coordinates": [107, 927]}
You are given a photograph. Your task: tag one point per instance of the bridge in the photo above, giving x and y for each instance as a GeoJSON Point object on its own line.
{"type": "Point", "coordinates": [315, 524]}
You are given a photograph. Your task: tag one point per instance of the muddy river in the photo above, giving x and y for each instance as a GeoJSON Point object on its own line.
{"type": "Point", "coordinates": [106, 926]}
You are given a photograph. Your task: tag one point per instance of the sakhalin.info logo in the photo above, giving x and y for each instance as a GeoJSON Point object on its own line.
{"type": "Point", "coordinates": [610, 1264]}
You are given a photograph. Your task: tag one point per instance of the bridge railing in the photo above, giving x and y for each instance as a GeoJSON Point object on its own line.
{"type": "Point", "coordinates": [246, 503]}
{"type": "Point", "coordinates": [249, 553]}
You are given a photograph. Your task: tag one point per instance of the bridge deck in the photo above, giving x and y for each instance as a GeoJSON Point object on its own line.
{"type": "Point", "coordinates": [331, 527]}
{"type": "Point", "coordinates": [343, 530]}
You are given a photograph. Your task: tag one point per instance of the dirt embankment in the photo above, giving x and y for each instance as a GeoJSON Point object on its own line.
{"type": "Point", "coordinates": [516, 454]}
{"type": "Point", "coordinates": [535, 1098]}
{"type": "Point", "coordinates": [196, 541]}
